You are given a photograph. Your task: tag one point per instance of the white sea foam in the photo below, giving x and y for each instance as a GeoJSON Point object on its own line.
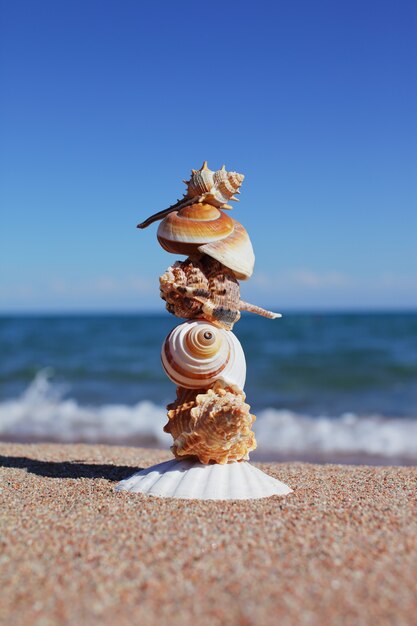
{"type": "Point", "coordinates": [43, 413]}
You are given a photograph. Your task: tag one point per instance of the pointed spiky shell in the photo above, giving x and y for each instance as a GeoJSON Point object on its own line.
{"type": "Point", "coordinates": [204, 187]}
{"type": "Point", "coordinates": [201, 182]}
{"type": "Point", "coordinates": [196, 354]}
{"type": "Point", "coordinates": [215, 188]}
{"type": "Point", "coordinates": [202, 289]}
{"type": "Point", "coordinates": [213, 425]}
{"type": "Point", "coordinates": [183, 274]}
{"type": "Point", "coordinates": [227, 184]}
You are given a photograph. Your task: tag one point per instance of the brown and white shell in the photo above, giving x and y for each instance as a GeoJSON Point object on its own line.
{"type": "Point", "coordinates": [202, 289]}
{"type": "Point", "coordinates": [203, 229]}
{"type": "Point", "coordinates": [196, 225]}
{"type": "Point", "coordinates": [196, 354]}
{"type": "Point", "coordinates": [213, 425]}
{"type": "Point", "coordinates": [205, 288]}
{"type": "Point", "coordinates": [215, 188]}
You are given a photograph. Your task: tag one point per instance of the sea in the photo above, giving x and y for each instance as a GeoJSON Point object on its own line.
{"type": "Point", "coordinates": [338, 387]}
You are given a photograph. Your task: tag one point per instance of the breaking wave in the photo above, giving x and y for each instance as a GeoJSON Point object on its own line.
{"type": "Point", "coordinates": [43, 413]}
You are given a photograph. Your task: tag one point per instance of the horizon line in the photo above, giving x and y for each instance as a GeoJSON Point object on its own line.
{"type": "Point", "coordinates": [289, 311]}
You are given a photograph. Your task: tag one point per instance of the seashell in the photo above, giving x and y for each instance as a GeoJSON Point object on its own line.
{"type": "Point", "coordinates": [206, 289]}
{"type": "Point", "coordinates": [196, 225]}
{"type": "Point", "coordinates": [182, 232]}
{"type": "Point", "coordinates": [200, 183]}
{"type": "Point", "coordinates": [226, 184]}
{"type": "Point", "coordinates": [235, 252]}
{"type": "Point", "coordinates": [217, 188]}
{"type": "Point", "coordinates": [204, 186]}
{"type": "Point", "coordinates": [189, 479]}
{"type": "Point", "coordinates": [203, 229]}
{"type": "Point", "coordinates": [202, 289]}
{"type": "Point", "coordinates": [196, 354]}
{"type": "Point", "coordinates": [212, 425]}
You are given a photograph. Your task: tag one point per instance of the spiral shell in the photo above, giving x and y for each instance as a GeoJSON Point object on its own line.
{"type": "Point", "coordinates": [215, 188]}
{"type": "Point", "coordinates": [226, 184]}
{"type": "Point", "coordinates": [212, 425]}
{"type": "Point", "coordinates": [203, 229]}
{"type": "Point", "coordinates": [196, 225]}
{"type": "Point", "coordinates": [196, 354]}
{"type": "Point", "coordinates": [182, 232]}
{"type": "Point", "coordinates": [204, 187]}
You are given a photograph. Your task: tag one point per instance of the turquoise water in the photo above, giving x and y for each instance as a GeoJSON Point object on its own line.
{"type": "Point", "coordinates": [338, 367]}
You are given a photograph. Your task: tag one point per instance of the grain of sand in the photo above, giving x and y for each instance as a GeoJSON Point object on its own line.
{"type": "Point", "coordinates": [342, 549]}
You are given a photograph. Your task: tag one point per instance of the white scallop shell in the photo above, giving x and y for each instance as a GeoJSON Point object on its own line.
{"type": "Point", "coordinates": [193, 480]}
{"type": "Point", "coordinates": [193, 362]}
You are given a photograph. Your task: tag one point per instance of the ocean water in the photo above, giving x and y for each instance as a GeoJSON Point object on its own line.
{"type": "Point", "coordinates": [324, 387]}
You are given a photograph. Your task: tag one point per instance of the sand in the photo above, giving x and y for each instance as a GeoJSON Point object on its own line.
{"type": "Point", "coordinates": [342, 549]}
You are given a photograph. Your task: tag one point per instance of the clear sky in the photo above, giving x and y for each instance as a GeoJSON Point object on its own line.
{"type": "Point", "coordinates": [106, 106]}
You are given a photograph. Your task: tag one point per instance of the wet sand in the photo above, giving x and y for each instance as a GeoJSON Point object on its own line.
{"type": "Point", "coordinates": [341, 549]}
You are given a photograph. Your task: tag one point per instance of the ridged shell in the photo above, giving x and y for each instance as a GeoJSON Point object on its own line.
{"type": "Point", "coordinates": [201, 181]}
{"type": "Point", "coordinates": [215, 188]}
{"type": "Point", "coordinates": [201, 228]}
{"type": "Point", "coordinates": [204, 187]}
{"type": "Point", "coordinates": [213, 425]}
{"type": "Point", "coordinates": [204, 289]}
{"type": "Point", "coordinates": [192, 480]}
{"type": "Point", "coordinates": [196, 354]}
{"type": "Point", "coordinates": [226, 184]}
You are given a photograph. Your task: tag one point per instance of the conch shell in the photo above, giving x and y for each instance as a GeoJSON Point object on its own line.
{"type": "Point", "coordinates": [215, 188]}
{"type": "Point", "coordinates": [205, 288]}
{"type": "Point", "coordinates": [196, 354]}
{"type": "Point", "coordinates": [196, 225]}
{"type": "Point", "coordinates": [213, 425]}
{"type": "Point", "coordinates": [205, 186]}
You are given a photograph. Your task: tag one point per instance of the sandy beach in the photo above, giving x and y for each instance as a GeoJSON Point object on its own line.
{"type": "Point", "coordinates": [342, 549]}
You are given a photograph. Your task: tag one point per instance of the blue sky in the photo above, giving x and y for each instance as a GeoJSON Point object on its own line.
{"type": "Point", "coordinates": [106, 106]}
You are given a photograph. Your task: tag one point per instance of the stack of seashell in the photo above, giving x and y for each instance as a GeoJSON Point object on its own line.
{"type": "Point", "coordinates": [210, 419]}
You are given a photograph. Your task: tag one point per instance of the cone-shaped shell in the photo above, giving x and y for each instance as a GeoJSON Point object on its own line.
{"type": "Point", "coordinates": [196, 354]}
